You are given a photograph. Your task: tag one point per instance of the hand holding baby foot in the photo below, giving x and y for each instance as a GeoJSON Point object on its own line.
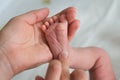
{"type": "Point", "coordinates": [23, 43]}
{"type": "Point", "coordinates": [55, 30]}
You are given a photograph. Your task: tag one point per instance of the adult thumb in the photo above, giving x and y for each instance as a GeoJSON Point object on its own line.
{"type": "Point", "coordinates": [34, 16]}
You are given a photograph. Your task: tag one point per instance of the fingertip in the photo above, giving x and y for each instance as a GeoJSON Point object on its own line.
{"type": "Point", "coordinates": [54, 70]}
{"type": "Point", "coordinates": [44, 9]}
{"type": "Point", "coordinates": [55, 65]}
{"type": "Point", "coordinates": [72, 9]}
{"type": "Point", "coordinates": [78, 75]}
{"type": "Point", "coordinates": [38, 78]}
{"type": "Point", "coordinates": [35, 16]}
{"type": "Point", "coordinates": [73, 28]}
{"type": "Point", "coordinates": [71, 14]}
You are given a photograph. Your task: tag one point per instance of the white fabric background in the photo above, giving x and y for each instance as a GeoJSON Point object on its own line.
{"type": "Point", "coordinates": [100, 26]}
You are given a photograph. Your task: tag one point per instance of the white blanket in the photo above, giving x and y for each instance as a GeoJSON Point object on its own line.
{"type": "Point", "coordinates": [100, 21]}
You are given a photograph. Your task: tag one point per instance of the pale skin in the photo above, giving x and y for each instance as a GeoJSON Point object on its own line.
{"type": "Point", "coordinates": [13, 32]}
{"type": "Point", "coordinates": [23, 45]}
{"type": "Point", "coordinates": [93, 59]}
{"type": "Point", "coordinates": [59, 70]}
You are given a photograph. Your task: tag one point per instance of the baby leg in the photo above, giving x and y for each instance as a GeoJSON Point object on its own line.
{"type": "Point", "coordinates": [95, 60]}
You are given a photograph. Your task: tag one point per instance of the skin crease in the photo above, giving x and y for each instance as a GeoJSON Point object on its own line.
{"type": "Point", "coordinates": [22, 43]}
{"type": "Point", "coordinates": [93, 59]}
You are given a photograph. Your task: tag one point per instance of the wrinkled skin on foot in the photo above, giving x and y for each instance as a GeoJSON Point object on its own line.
{"type": "Point", "coordinates": [56, 35]}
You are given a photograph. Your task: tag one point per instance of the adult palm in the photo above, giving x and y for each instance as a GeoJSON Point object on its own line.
{"type": "Point", "coordinates": [23, 42]}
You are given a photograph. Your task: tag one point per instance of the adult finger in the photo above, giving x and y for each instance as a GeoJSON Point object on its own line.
{"type": "Point", "coordinates": [63, 57]}
{"type": "Point", "coordinates": [78, 75]}
{"type": "Point", "coordinates": [54, 70]}
{"type": "Point", "coordinates": [70, 14]}
{"type": "Point", "coordinates": [73, 27]}
{"type": "Point", "coordinates": [34, 16]}
{"type": "Point", "coordinates": [39, 78]}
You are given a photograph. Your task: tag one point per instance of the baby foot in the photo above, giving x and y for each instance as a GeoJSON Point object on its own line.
{"type": "Point", "coordinates": [55, 30]}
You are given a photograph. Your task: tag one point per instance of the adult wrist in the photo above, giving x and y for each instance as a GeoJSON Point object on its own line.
{"type": "Point", "coordinates": [6, 72]}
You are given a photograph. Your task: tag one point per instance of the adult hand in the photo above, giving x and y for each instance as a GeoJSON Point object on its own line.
{"type": "Point", "coordinates": [59, 70]}
{"type": "Point", "coordinates": [22, 42]}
